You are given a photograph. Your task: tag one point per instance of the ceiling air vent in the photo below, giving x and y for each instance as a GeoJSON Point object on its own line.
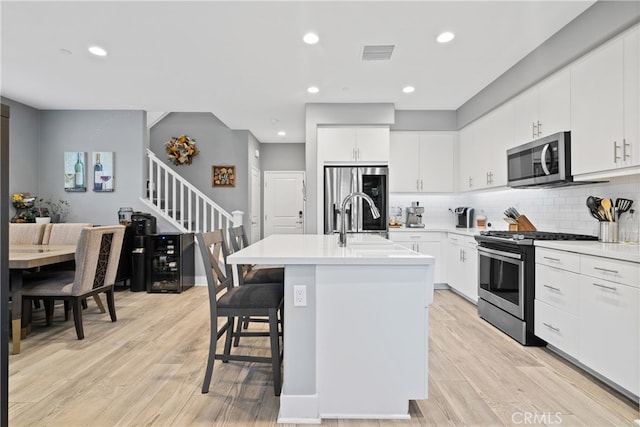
{"type": "Point", "coordinates": [377, 53]}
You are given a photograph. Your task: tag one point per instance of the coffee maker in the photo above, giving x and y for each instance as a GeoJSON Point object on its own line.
{"type": "Point", "coordinates": [144, 225]}
{"type": "Point", "coordinates": [414, 216]}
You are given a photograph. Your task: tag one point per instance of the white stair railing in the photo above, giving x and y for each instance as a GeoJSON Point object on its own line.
{"type": "Point", "coordinates": [179, 202]}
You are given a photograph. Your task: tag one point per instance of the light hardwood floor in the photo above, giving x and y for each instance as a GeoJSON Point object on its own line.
{"type": "Point", "coordinates": [147, 369]}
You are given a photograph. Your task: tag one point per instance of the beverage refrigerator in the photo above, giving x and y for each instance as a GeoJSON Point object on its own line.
{"type": "Point", "coordinates": [171, 262]}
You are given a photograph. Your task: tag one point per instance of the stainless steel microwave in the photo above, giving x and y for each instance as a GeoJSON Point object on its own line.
{"type": "Point", "coordinates": [545, 162]}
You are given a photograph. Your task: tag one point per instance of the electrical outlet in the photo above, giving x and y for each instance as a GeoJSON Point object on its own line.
{"type": "Point", "coordinates": [300, 296]}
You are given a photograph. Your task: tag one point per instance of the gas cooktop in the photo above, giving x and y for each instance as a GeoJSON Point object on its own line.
{"type": "Point", "coordinates": [527, 237]}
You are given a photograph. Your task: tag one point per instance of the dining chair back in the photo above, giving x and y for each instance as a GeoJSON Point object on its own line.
{"type": "Point", "coordinates": [26, 233]}
{"type": "Point", "coordinates": [226, 300]}
{"type": "Point", "coordinates": [248, 273]}
{"type": "Point", "coordinates": [97, 256]}
{"type": "Point", "coordinates": [63, 233]}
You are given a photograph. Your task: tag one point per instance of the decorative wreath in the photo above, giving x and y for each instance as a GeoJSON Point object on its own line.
{"type": "Point", "coordinates": [181, 150]}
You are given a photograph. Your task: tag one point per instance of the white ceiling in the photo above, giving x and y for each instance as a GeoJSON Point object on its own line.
{"type": "Point", "coordinates": [246, 63]}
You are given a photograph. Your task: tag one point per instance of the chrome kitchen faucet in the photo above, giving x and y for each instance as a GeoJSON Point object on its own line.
{"type": "Point", "coordinates": [343, 208]}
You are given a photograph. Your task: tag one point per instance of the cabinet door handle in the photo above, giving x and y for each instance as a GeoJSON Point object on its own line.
{"type": "Point", "coordinates": [552, 288]}
{"type": "Point", "coordinates": [539, 128]}
{"type": "Point", "coordinates": [552, 259]}
{"type": "Point", "coordinates": [605, 270]}
{"type": "Point", "coordinates": [470, 182]}
{"type": "Point", "coordinates": [533, 130]}
{"type": "Point", "coordinates": [421, 185]}
{"type": "Point", "coordinates": [551, 327]}
{"type": "Point", "coordinates": [625, 156]}
{"type": "Point", "coordinates": [417, 184]}
{"type": "Point", "coordinates": [615, 152]}
{"type": "Point", "coordinates": [611, 288]}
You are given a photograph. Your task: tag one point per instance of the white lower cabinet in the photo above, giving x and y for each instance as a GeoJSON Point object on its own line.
{"type": "Point", "coordinates": [588, 307]}
{"type": "Point", "coordinates": [425, 242]}
{"type": "Point", "coordinates": [609, 342]}
{"type": "Point", "coordinates": [462, 265]}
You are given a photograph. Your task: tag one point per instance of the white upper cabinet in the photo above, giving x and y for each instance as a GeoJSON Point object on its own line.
{"type": "Point", "coordinates": [631, 74]}
{"type": "Point", "coordinates": [483, 150]}
{"type": "Point", "coordinates": [421, 162]}
{"type": "Point", "coordinates": [353, 144]}
{"type": "Point", "coordinates": [604, 107]}
{"type": "Point", "coordinates": [544, 109]}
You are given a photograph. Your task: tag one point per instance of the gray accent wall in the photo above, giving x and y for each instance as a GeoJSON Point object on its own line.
{"type": "Point", "coordinates": [123, 132]}
{"type": "Point", "coordinates": [218, 145]}
{"type": "Point", "coordinates": [594, 26]}
{"type": "Point", "coordinates": [282, 156]}
{"type": "Point", "coordinates": [425, 120]}
{"type": "Point", "coordinates": [38, 140]}
{"type": "Point", "coordinates": [24, 137]}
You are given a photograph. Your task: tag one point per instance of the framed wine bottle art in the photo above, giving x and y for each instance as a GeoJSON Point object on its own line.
{"type": "Point", "coordinates": [74, 171]}
{"type": "Point", "coordinates": [102, 171]}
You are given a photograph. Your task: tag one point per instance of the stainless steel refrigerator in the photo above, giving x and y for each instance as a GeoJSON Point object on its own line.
{"type": "Point", "coordinates": [339, 182]}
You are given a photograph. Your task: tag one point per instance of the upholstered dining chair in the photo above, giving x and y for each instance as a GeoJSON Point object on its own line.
{"type": "Point", "coordinates": [97, 256]}
{"type": "Point", "coordinates": [228, 301]}
{"type": "Point", "coordinates": [67, 233]}
{"type": "Point", "coordinates": [25, 233]}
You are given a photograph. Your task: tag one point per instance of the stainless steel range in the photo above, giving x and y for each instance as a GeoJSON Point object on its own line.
{"type": "Point", "coordinates": [506, 279]}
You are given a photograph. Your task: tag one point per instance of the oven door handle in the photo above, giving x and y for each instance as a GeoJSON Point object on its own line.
{"type": "Point", "coordinates": [482, 249]}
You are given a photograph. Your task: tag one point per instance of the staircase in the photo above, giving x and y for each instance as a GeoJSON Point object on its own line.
{"type": "Point", "coordinates": [176, 200]}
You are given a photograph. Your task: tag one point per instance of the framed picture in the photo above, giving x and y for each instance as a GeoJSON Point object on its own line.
{"type": "Point", "coordinates": [74, 171]}
{"type": "Point", "coordinates": [223, 176]}
{"type": "Point", "coordinates": [102, 171]}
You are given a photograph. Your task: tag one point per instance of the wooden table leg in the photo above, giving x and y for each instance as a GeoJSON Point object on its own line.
{"type": "Point", "coordinates": [15, 281]}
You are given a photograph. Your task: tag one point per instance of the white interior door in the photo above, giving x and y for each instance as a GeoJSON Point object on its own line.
{"type": "Point", "coordinates": [284, 197]}
{"type": "Point", "coordinates": [255, 205]}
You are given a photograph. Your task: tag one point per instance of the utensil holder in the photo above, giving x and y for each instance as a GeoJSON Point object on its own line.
{"type": "Point", "coordinates": [608, 232]}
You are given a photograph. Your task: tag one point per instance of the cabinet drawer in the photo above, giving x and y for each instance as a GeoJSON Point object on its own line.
{"type": "Point", "coordinates": [558, 288]}
{"type": "Point", "coordinates": [557, 327]}
{"type": "Point", "coordinates": [560, 259]}
{"type": "Point", "coordinates": [624, 272]}
{"type": "Point", "coordinates": [416, 237]}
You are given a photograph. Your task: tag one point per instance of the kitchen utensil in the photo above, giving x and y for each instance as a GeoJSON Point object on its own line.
{"type": "Point", "coordinates": [623, 205]}
{"type": "Point", "coordinates": [593, 203]}
{"type": "Point", "coordinates": [606, 207]}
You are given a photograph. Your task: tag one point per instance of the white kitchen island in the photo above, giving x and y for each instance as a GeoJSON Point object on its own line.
{"type": "Point", "coordinates": [356, 334]}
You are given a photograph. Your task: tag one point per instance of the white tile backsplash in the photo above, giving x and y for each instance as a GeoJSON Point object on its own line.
{"type": "Point", "coordinates": [549, 209]}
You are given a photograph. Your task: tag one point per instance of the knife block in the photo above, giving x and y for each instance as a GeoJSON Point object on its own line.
{"type": "Point", "coordinates": [524, 224]}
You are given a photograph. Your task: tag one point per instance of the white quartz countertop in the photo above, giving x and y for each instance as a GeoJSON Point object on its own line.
{"type": "Point", "coordinates": [437, 229]}
{"type": "Point", "coordinates": [323, 249]}
{"type": "Point", "coordinates": [620, 251]}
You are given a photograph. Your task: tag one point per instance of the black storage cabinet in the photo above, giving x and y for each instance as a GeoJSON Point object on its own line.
{"type": "Point", "coordinates": [172, 262]}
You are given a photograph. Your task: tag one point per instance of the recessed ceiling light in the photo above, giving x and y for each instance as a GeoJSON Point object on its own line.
{"type": "Point", "coordinates": [445, 37]}
{"type": "Point", "coordinates": [408, 89]}
{"type": "Point", "coordinates": [97, 50]}
{"type": "Point", "coordinates": [282, 133]}
{"type": "Point", "coordinates": [311, 38]}
{"type": "Point", "coordinates": [313, 89]}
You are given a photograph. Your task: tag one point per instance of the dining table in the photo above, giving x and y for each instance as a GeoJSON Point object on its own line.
{"type": "Point", "coordinates": [23, 258]}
